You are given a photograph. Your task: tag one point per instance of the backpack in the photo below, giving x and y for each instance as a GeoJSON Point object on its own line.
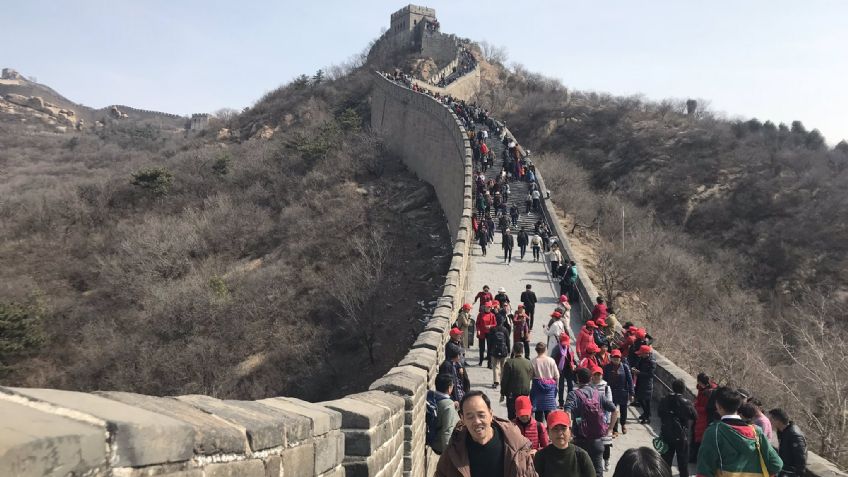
{"type": "Point", "coordinates": [431, 417]}
{"type": "Point", "coordinates": [499, 344]}
{"type": "Point", "coordinates": [590, 423]}
{"type": "Point", "coordinates": [672, 426]}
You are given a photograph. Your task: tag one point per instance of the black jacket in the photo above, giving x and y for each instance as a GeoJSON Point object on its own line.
{"type": "Point", "coordinates": [792, 450]}
{"type": "Point", "coordinates": [523, 238]}
{"type": "Point", "coordinates": [677, 415]}
{"type": "Point", "coordinates": [529, 300]}
{"type": "Point", "coordinates": [508, 241]}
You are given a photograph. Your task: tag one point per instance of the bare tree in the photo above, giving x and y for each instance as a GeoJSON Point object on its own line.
{"type": "Point", "coordinates": [355, 288]}
{"type": "Point", "coordinates": [613, 274]}
{"type": "Point", "coordinates": [493, 53]}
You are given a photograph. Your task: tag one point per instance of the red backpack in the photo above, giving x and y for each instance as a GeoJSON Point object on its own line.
{"type": "Point", "coordinates": [590, 421]}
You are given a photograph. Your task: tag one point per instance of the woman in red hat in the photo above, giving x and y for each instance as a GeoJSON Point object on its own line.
{"type": "Point", "coordinates": [586, 336]}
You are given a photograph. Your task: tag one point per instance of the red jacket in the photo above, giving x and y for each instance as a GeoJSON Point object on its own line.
{"type": "Point", "coordinates": [701, 409]}
{"type": "Point", "coordinates": [535, 432]}
{"type": "Point", "coordinates": [485, 322]}
{"type": "Point", "coordinates": [483, 297]}
{"type": "Point", "coordinates": [584, 338]}
{"type": "Point", "coordinates": [600, 311]}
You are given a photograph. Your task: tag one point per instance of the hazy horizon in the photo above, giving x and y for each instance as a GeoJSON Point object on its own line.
{"type": "Point", "coordinates": [777, 61]}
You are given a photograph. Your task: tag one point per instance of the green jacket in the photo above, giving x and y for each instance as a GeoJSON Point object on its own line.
{"type": "Point", "coordinates": [516, 377]}
{"type": "Point", "coordinates": [729, 449]}
{"type": "Point", "coordinates": [448, 419]}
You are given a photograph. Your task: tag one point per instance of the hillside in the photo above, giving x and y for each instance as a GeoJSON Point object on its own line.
{"type": "Point", "coordinates": [143, 258]}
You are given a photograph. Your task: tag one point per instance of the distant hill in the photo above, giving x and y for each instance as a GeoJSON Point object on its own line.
{"type": "Point", "coordinates": [16, 92]}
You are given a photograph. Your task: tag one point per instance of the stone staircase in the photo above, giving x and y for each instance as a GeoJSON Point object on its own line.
{"type": "Point", "coordinates": [518, 189]}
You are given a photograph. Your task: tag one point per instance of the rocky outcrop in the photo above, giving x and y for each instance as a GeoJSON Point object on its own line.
{"type": "Point", "coordinates": [49, 113]}
{"type": "Point", "coordinates": [116, 113]}
{"type": "Point", "coordinates": [10, 74]}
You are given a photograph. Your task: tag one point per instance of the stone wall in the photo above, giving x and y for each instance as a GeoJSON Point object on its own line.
{"type": "Point", "coordinates": [463, 88]}
{"type": "Point", "coordinates": [439, 46]}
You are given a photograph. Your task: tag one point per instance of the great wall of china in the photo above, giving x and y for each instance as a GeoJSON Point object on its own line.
{"type": "Point", "coordinates": [376, 433]}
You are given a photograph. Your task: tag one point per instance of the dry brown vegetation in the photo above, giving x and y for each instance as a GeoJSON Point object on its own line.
{"type": "Point", "coordinates": [727, 238]}
{"type": "Point", "coordinates": [143, 260]}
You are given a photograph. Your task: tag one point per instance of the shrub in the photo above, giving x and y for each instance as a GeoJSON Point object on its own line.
{"type": "Point", "coordinates": [156, 180]}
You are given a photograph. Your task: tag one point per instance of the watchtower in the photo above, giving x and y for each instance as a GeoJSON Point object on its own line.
{"type": "Point", "coordinates": [408, 17]}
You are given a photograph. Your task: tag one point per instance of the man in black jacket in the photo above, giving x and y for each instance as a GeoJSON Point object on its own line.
{"type": "Point", "coordinates": [677, 415]}
{"type": "Point", "coordinates": [508, 243]}
{"type": "Point", "coordinates": [523, 240]}
{"type": "Point", "coordinates": [793, 445]}
{"type": "Point", "coordinates": [528, 298]}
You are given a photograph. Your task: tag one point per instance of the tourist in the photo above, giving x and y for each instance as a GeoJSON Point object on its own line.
{"type": "Point", "coordinates": [555, 257]}
{"type": "Point", "coordinates": [604, 389]}
{"type": "Point", "coordinates": [513, 214]}
{"type": "Point", "coordinates": [644, 371]}
{"type": "Point", "coordinates": [641, 462]}
{"type": "Point", "coordinates": [617, 375]}
{"type": "Point", "coordinates": [732, 446]}
{"type": "Point", "coordinates": [555, 329]}
{"type": "Point", "coordinates": [792, 444]}
{"type": "Point", "coordinates": [521, 329]}
{"type": "Point", "coordinates": [528, 203]}
{"type": "Point", "coordinates": [483, 237]}
{"type": "Point", "coordinates": [536, 246]}
{"type": "Point", "coordinates": [676, 416]}
{"type": "Point", "coordinates": [446, 415]}
{"type": "Point", "coordinates": [485, 445]}
{"type": "Point", "coordinates": [585, 338]}
{"type": "Point", "coordinates": [543, 389]}
{"type": "Point", "coordinates": [523, 239]}
{"type": "Point", "coordinates": [507, 243]}
{"type": "Point", "coordinates": [516, 378]}
{"type": "Point", "coordinates": [530, 428]}
{"type": "Point", "coordinates": [451, 367]}
{"type": "Point", "coordinates": [587, 406]}
{"type": "Point", "coordinates": [528, 298]}
{"type": "Point", "coordinates": [600, 310]}
{"type": "Point", "coordinates": [706, 387]}
{"type": "Point", "coordinates": [455, 343]}
{"type": "Point", "coordinates": [566, 364]}
{"type": "Point", "coordinates": [498, 350]}
{"type": "Point", "coordinates": [485, 321]}
{"type": "Point", "coordinates": [560, 458]}
{"type": "Point", "coordinates": [463, 322]}
{"type": "Point", "coordinates": [503, 299]}
{"type": "Point", "coordinates": [485, 296]}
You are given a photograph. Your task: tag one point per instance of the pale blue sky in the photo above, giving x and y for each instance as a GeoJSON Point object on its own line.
{"type": "Point", "coordinates": [778, 60]}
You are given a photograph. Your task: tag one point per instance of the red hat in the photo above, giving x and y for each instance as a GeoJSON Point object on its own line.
{"type": "Point", "coordinates": [615, 352]}
{"type": "Point", "coordinates": [563, 299]}
{"type": "Point", "coordinates": [557, 418]}
{"type": "Point", "coordinates": [523, 406]}
{"type": "Point", "coordinates": [596, 370]}
{"type": "Point", "coordinates": [496, 304]}
{"type": "Point", "coordinates": [601, 322]}
{"type": "Point", "coordinates": [455, 331]}
{"type": "Point", "coordinates": [592, 348]}
{"type": "Point", "coordinates": [644, 349]}
{"type": "Point", "coordinates": [466, 306]}
{"type": "Point", "coordinates": [630, 330]}
{"type": "Point", "coordinates": [630, 340]}
{"type": "Point", "coordinates": [521, 305]}
{"type": "Point", "coordinates": [564, 338]}
{"type": "Point", "coordinates": [641, 333]}
{"type": "Point", "coordinates": [556, 314]}
{"type": "Point", "coordinates": [591, 324]}
{"type": "Point", "coordinates": [488, 303]}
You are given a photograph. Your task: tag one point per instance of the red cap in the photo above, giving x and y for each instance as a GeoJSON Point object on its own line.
{"type": "Point", "coordinates": [466, 306]}
{"type": "Point", "coordinates": [615, 352]}
{"type": "Point", "coordinates": [563, 299]}
{"type": "Point", "coordinates": [556, 314]}
{"type": "Point", "coordinates": [596, 370]}
{"type": "Point", "coordinates": [592, 348]}
{"type": "Point", "coordinates": [557, 418]}
{"type": "Point", "coordinates": [630, 340]}
{"type": "Point", "coordinates": [523, 406]}
{"type": "Point", "coordinates": [521, 305]}
{"type": "Point", "coordinates": [564, 338]}
{"type": "Point", "coordinates": [455, 332]}
{"type": "Point", "coordinates": [641, 333]}
{"type": "Point", "coordinates": [601, 322]}
{"type": "Point", "coordinates": [591, 324]}
{"type": "Point", "coordinates": [488, 303]}
{"type": "Point", "coordinates": [644, 349]}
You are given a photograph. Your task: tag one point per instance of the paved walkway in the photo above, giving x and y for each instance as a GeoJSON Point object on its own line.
{"type": "Point", "coordinates": [491, 270]}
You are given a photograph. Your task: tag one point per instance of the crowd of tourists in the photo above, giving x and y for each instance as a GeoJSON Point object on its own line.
{"type": "Point", "coordinates": [567, 404]}
{"type": "Point", "coordinates": [590, 383]}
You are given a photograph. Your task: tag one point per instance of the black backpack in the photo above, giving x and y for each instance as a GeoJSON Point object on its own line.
{"type": "Point", "coordinates": [500, 348]}
{"type": "Point", "coordinates": [431, 417]}
{"type": "Point", "coordinates": [673, 426]}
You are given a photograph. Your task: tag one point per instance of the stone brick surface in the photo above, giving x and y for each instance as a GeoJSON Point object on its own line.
{"type": "Point", "coordinates": [34, 443]}
{"type": "Point", "coordinates": [212, 435]}
{"type": "Point", "coordinates": [323, 420]}
{"type": "Point", "coordinates": [424, 358]}
{"type": "Point", "coordinates": [329, 451]}
{"type": "Point", "coordinates": [141, 437]}
{"type": "Point", "coordinates": [245, 468]}
{"type": "Point", "coordinates": [358, 414]}
{"type": "Point", "coordinates": [299, 460]}
{"type": "Point", "coordinates": [266, 427]}
{"type": "Point", "coordinates": [429, 339]}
